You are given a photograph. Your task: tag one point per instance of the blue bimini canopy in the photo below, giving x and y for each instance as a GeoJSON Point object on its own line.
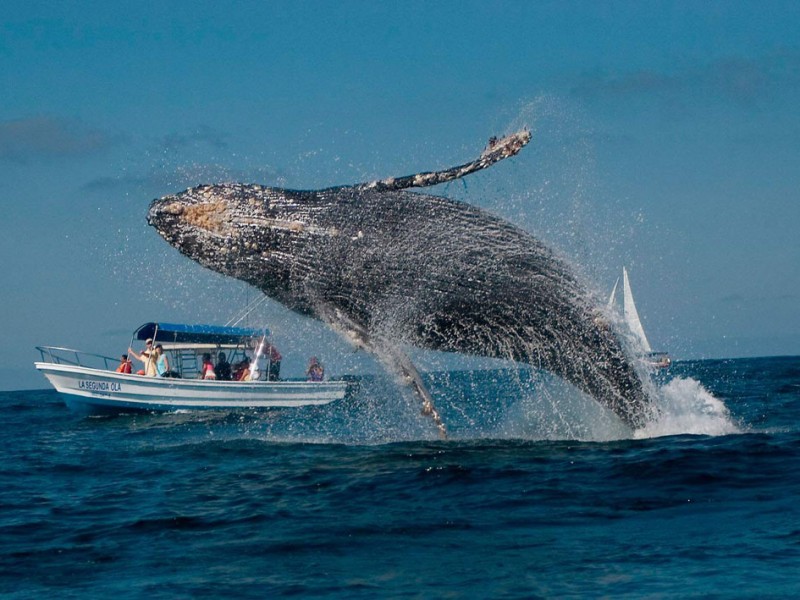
{"type": "Point", "coordinates": [196, 334]}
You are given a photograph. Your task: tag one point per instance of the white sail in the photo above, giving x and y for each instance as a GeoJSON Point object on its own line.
{"type": "Point", "coordinates": [630, 314]}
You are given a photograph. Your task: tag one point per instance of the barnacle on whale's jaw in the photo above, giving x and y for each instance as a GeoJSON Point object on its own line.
{"type": "Point", "coordinates": [198, 227]}
{"type": "Point", "coordinates": [170, 214]}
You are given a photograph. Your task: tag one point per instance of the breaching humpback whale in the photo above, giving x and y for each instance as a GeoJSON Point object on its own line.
{"type": "Point", "coordinates": [387, 267]}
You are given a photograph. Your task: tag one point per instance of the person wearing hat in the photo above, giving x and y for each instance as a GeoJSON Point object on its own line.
{"type": "Point", "coordinates": [146, 357]}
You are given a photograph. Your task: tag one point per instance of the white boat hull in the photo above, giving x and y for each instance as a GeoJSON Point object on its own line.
{"type": "Point", "coordinates": [96, 390]}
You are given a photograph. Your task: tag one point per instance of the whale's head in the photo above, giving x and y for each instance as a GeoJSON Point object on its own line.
{"type": "Point", "coordinates": [250, 232]}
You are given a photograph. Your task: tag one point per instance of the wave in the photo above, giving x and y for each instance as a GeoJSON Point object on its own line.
{"type": "Point", "coordinates": [686, 407]}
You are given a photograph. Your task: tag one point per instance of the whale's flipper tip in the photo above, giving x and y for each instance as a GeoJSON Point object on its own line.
{"type": "Point", "coordinates": [498, 149]}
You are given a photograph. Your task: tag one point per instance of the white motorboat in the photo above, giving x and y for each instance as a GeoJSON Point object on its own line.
{"type": "Point", "coordinates": [90, 383]}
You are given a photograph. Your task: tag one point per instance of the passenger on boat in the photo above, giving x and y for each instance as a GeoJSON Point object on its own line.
{"type": "Point", "coordinates": [146, 357]}
{"type": "Point", "coordinates": [271, 352]}
{"type": "Point", "coordinates": [223, 368]}
{"type": "Point", "coordinates": [315, 371]}
{"type": "Point", "coordinates": [242, 370]}
{"type": "Point", "coordinates": [162, 362]}
{"type": "Point", "coordinates": [207, 370]}
{"type": "Point", "coordinates": [124, 365]}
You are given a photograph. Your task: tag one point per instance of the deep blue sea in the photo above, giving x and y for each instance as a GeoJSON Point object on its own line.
{"type": "Point", "coordinates": [535, 494]}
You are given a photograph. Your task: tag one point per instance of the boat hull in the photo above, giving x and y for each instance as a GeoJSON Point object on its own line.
{"type": "Point", "coordinates": [91, 391]}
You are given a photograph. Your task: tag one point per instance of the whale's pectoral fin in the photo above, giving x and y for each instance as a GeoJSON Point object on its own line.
{"type": "Point", "coordinates": [394, 359]}
{"type": "Point", "coordinates": [495, 151]}
{"type": "Point", "coordinates": [412, 378]}
{"type": "Point", "coordinates": [345, 326]}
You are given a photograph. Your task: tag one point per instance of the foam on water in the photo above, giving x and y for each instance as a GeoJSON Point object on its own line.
{"type": "Point", "coordinates": [686, 407]}
{"type": "Point", "coordinates": [554, 410]}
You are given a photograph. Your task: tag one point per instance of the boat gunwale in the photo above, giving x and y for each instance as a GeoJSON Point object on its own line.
{"type": "Point", "coordinates": [179, 381]}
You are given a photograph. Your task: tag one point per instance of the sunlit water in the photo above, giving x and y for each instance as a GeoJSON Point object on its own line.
{"type": "Point", "coordinates": [538, 493]}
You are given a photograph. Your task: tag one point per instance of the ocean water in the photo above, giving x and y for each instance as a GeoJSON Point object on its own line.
{"type": "Point", "coordinates": [536, 494]}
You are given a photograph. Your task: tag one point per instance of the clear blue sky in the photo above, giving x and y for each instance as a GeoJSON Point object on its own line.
{"type": "Point", "coordinates": [666, 138]}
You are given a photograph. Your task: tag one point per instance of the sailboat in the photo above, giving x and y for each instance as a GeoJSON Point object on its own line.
{"type": "Point", "coordinates": [630, 316]}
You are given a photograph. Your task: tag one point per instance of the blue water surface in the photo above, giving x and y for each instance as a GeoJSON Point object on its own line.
{"type": "Point", "coordinates": [361, 500]}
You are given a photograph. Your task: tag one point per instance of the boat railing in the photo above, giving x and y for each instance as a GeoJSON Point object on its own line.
{"type": "Point", "coordinates": [68, 356]}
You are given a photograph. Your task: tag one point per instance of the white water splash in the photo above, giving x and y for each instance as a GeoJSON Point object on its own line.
{"type": "Point", "coordinates": [686, 407]}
